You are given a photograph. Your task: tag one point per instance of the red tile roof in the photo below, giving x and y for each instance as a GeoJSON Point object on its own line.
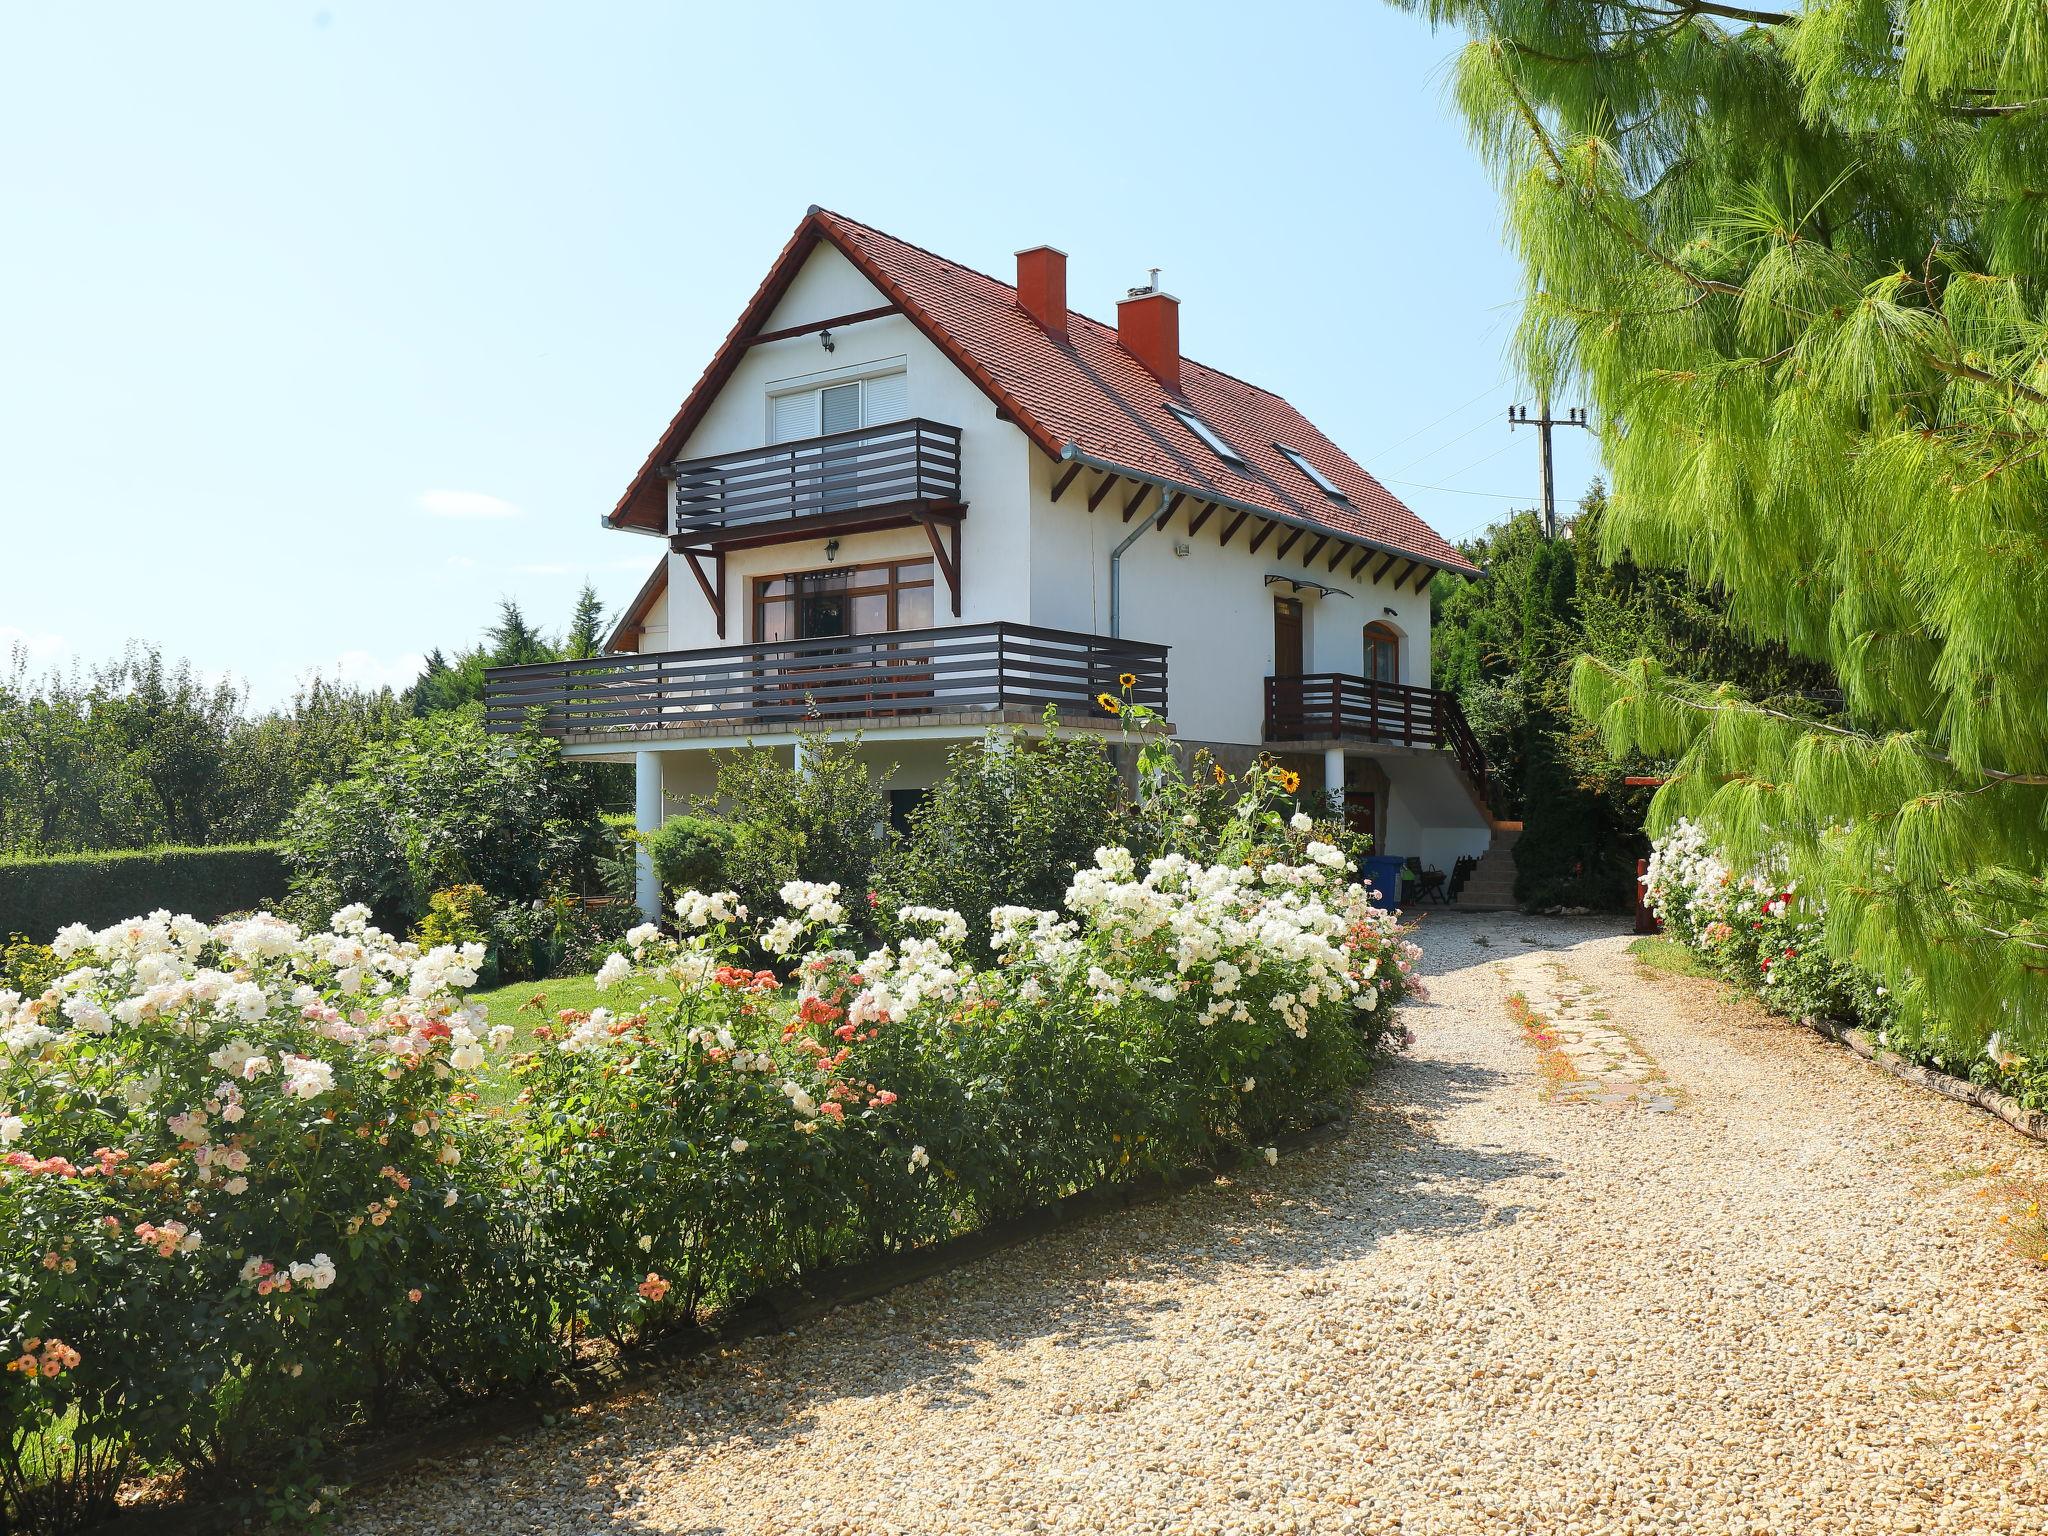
{"type": "Point", "coordinates": [1081, 395]}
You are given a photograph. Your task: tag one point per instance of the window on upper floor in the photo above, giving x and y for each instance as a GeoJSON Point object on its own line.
{"type": "Point", "coordinates": [1207, 435]}
{"type": "Point", "coordinates": [823, 409]}
{"type": "Point", "coordinates": [1382, 653]}
{"type": "Point", "coordinates": [844, 600]}
{"type": "Point", "coordinates": [1321, 481]}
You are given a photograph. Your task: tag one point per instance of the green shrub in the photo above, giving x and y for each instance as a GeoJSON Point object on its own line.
{"type": "Point", "coordinates": [28, 967]}
{"type": "Point", "coordinates": [690, 853]}
{"type": "Point", "coordinates": [1008, 825]}
{"type": "Point", "coordinates": [459, 915]}
{"type": "Point", "coordinates": [825, 823]}
{"type": "Point", "coordinates": [38, 896]}
{"type": "Point", "coordinates": [445, 803]}
{"type": "Point", "coordinates": [313, 1111]}
{"type": "Point", "coordinates": [557, 934]}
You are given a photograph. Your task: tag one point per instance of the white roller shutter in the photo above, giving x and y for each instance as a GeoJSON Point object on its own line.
{"type": "Point", "coordinates": [793, 416]}
{"type": "Point", "coordinates": [888, 399]}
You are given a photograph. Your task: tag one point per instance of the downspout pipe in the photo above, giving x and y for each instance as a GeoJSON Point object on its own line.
{"type": "Point", "coordinates": [1116, 575]}
{"type": "Point", "coordinates": [1072, 453]}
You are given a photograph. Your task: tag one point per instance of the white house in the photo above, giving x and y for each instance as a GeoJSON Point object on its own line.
{"type": "Point", "coordinates": [909, 500]}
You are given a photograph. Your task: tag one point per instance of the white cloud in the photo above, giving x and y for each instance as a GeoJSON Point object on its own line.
{"type": "Point", "coordinates": [461, 563]}
{"type": "Point", "coordinates": [467, 504]}
{"type": "Point", "coordinates": [41, 645]}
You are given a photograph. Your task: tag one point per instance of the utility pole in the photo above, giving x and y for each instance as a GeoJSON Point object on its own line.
{"type": "Point", "coordinates": [1543, 421]}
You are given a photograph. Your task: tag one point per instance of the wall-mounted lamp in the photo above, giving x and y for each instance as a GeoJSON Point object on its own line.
{"type": "Point", "coordinates": [825, 340]}
{"type": "Point", "coordinates": [832, 552]}
{"type": "Point", "coordinates": [1389, 613]}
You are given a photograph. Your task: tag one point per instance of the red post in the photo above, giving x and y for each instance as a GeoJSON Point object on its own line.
{"type": "Point", "coordinates": [1646, 920]}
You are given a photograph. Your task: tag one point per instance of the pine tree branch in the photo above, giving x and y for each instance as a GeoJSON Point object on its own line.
{"type": "Point", "coordinates": [1977, 375]}
{"type": "Point", "coordinates": [1807, 723]}
{"type": "Point", "coordinates": [1685, 10]}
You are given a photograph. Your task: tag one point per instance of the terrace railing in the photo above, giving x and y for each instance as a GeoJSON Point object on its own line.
{"type": "Point", "coordinates": [1337, 706]}
{"type": "Point", "coordinates": [866, 677]}
{"type": "Point", "coordinates": [906, 464]}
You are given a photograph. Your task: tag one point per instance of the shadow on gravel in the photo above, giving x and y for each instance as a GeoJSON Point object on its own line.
{"type": "Point", "coordinates": [1094, 1286]}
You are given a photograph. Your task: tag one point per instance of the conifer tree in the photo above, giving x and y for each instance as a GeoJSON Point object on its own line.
{"type": "Point", "coordinates": [586, 629]}
{"type": "Point", "coordinates": [1796, 258]}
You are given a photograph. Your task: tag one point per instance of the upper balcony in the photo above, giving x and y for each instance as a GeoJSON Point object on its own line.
{"type": "Point", "coordinates": [1336, 707]}
{"type": "Point", "coordinates": [845, 482]}
{"type": "Point", "coordinates": [969, 673]}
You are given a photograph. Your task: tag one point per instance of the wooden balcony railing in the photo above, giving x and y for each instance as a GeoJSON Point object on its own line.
{"type": "Point", "coordinates": [841, 478]}
{"type": "Point", "coordinates": [1337, 706]}
{"type": "Point", "coordinates": [865, 677]}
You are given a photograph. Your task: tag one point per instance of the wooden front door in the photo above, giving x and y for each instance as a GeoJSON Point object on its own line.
{"type": "Point", "coordinates": [1287, 637]}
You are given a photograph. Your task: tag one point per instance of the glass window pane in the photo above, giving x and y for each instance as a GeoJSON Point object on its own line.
{"type": "Point", "coordinates": [820, 614]}
{"type": "Point", "coordinates": [771, 621]}
{"type": "Point", "coordinates": [839, 408]}
{"type": "Point", "coordinates": [914, 570]}
{"type": "Point", "coordinates": [871, 613]}
{"type": "Point", "coordinates": [914, 608]}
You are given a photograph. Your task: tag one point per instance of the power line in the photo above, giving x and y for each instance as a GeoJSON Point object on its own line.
{"type": "Point", "coordinates": [1447, 415]}
{"type": "Point", "coordinates": [1479, 426]}
{"type": "Point", "coordinates": [1521, 496]}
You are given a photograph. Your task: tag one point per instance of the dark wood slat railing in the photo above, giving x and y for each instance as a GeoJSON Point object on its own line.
{"type": "Point", "coordinates": [887, 676]}
{"type": "Point", "coordinates": [1335, 705]}
{"type": "Point", "coordinates": [905, 463]}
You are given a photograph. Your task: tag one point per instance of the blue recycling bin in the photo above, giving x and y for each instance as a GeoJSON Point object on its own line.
{"type": "Point", "coordinates": [1382, 871]}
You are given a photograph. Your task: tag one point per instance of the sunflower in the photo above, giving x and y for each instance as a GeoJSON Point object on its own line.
{"type": "Point", "coordinates": [1127, 679]}
{"type": "Point", "coordinates": [1110, 702]}
{"type": "Point", "coordinates": [1290, 781]}
{"type": "Point", "coordinates": [1221, 776]}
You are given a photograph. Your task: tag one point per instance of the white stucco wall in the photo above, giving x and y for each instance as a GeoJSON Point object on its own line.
{"type": "Point", "coordinates": [1027, 560]}
{"type": "Point", "coordinates": [654, 627]}
{"type": "Point", "coordinates": [995, 536]}
{"type": "Point", "coordinates": [1211, 605]}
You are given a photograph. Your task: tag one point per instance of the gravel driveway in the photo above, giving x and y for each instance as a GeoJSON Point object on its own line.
{"type": "Point", "coordinates": [1656, 1265]}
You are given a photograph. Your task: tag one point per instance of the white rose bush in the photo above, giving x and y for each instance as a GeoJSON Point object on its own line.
{"type": "Point", "coordinates": [239, 1198]}
{"type": "Point", "coordinates": [259, 1185]}
{"type": "Point", "coordinates": [747, 1126]}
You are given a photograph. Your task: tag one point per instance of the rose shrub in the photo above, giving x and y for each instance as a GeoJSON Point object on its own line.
{"type": "Point", "coordinates": [1760, 932]}
{"type": "Point", "coordinates": [251, 1192]}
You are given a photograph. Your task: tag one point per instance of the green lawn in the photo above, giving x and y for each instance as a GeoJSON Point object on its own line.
{"type": "Point", "coordinates": [523, 1004]}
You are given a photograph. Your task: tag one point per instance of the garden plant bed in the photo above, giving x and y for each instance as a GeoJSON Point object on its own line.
{"type": "Point", "coordinates": [2028, 1122]}
{"type": "Point", "coordinates": [1464, 1310]}
{"type": "Point", "coordinates": [392, 1450]}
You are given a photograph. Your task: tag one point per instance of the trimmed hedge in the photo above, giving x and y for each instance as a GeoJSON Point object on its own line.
{"type": "Point", "coordinates": [40, 895]}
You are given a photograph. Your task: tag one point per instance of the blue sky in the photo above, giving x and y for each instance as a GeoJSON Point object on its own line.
{"type": "Point", "coordinates": [324, 326]}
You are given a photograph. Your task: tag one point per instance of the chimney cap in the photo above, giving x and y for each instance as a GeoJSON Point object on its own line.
{"type": "Point", "coordinates": [1026, 250]}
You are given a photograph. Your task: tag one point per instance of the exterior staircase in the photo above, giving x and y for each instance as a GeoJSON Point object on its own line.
{"type": "Point", "coordinates": [1491, 887]}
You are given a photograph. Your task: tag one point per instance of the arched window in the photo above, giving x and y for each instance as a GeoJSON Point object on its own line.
{"type": "Point", "coordinates": [1382, 653]}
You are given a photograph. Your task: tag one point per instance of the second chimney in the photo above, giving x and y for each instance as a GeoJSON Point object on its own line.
{"type": "Point", "coordinates": [1042, 286]}
{"type": "Point", "coordinates": [1148, 327]}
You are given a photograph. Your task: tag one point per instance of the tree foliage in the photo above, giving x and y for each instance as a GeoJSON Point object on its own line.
{"type": "Point", "coordinates": [141, 751]}
{"type": "Point", "coordinates": [1007, 825]}
{"type": "Point", "coordinates": [443, 802]}
{"type": "Point", "coordinates": [1798, 261]}
{"type": "Point", "coordinates": [1504, 644]}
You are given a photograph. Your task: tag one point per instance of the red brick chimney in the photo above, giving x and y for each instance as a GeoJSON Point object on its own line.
{"type": "Point", "coordinates": [1148, 327]}
{"type": "Point", "coordinates": [1042, 286]}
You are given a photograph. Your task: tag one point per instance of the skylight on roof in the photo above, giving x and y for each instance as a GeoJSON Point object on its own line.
{"type": "Point", "coordinates": [1210, 437]}
{"type": "Point", "coordinates": [1322, 481]}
